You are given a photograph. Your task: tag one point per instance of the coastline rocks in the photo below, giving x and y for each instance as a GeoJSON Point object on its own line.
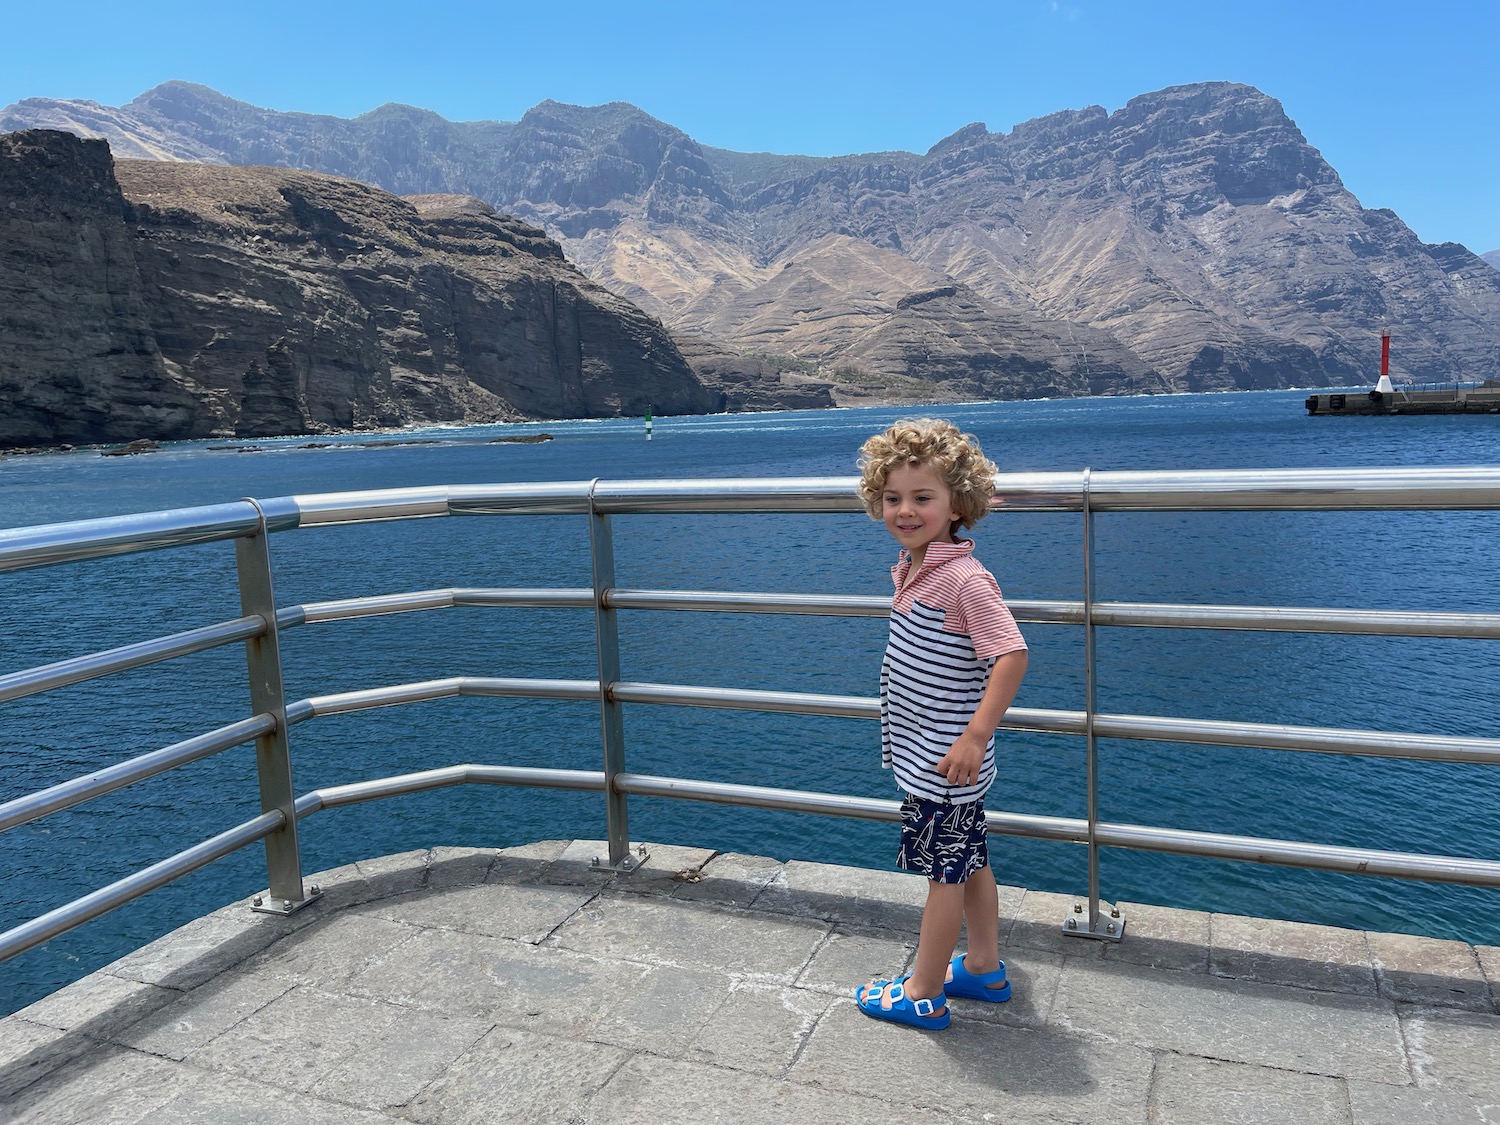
{"type": "Point", "coordinates": [188, 300]}
{"type": "Point", "coordinates": [130, 449]}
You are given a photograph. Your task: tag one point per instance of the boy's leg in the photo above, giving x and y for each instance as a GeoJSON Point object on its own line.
{"type": "Point", "coordinates": [941, 919]}
{"type": "Point", "coordinates": [946, 843]}
{"type": "Point", "coordinates": [982, 917]}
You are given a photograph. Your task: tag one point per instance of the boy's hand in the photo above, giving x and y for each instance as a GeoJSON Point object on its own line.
{"type": "Point", "coordinates": [963, 761]}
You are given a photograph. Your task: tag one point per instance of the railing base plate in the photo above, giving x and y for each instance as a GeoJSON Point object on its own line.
{"type": "Point", "coordinates": [1110, 927]}
{"type": "Point", "coordinates": [631, 861]}
{"type": "Point", "coordinates": [264, 904]}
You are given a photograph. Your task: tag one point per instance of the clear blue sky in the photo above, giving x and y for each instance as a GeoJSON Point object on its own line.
{"type": "Point", "coordinates": [1401, 98]}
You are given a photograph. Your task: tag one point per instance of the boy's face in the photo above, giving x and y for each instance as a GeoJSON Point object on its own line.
{"type": "Point", "coordinates": [917, 508]}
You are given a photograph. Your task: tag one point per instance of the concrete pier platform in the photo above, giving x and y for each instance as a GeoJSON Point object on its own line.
{"type": "Point", "coordinates": [519, 985]}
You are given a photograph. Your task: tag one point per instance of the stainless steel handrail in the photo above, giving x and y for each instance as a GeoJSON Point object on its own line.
{"type": "Point", "coordinates": [74, 914]}
{"type": "Point", "coordinates": [1288, 853]}
{"type": "Point", "coordinates": [34, 806]}
{"type": "Point", "coordinates": [1393, 623]}
{"type": "Point", "coordinates": [1140, 728]}
{"type": "Point", "coordinates": [22, 548]}
{"type": "Point", "coordinates": [1443, 488]}
{"type": "Point", "coordinates": [1449, 869]}
{"type": "Point", "coordinates": [378, 789]}
{"type": "Point", "coordinates": [82, 668]}
{"type": "Point", "coordinates": [1090, 492]}
{"type": "Point", "coordinates": [429, 690]}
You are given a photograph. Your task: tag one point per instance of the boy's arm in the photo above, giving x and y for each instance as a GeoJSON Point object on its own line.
{"type": "Point", "coordinates": [965, 757]}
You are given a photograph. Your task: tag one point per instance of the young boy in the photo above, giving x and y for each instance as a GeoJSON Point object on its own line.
{"type": "Point", "coordinates": [952, 666]}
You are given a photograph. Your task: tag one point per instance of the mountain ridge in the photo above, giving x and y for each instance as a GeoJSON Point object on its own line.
{"type": "Point", "coordinates": [1193, 235]}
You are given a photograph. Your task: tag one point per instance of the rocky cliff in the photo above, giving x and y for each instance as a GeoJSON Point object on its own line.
{"type": "Point", "coordinates": [175, 300]}
{"type": "Point", "coordinates": [1193, 239]}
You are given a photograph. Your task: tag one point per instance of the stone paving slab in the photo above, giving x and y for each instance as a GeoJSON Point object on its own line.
{"type": "Point", "coordinates": [1273, 952]}
{"type": "Point", "coordinates": [1239, 1021]}
{"type": "Point", "coordinates": [1489, 967]}
{"type": "Point", "coordinates": [758, 1028]}
{"type": "Point", "coordinates": [1455, 1050]}
{"type": "Point", "coordinates": [227, 1100]}
{"type": "Point", "coordinates": [1188, 1090]}
{"type": "Point", "coordinates": [1372, 1103]}
{"type": "Point", "coordinates": [857, 954]}
{"type": "Point", "coordinates": [1427, 971]}
{"type": "Point", "coordinates": [206, 1013]}
{"type": "Point", "coordinates": [519, 1077]}
{"type": "Point", "coordinates": [342, 945]}
{"type": "Point", "coordinates": [514, 984]}
{"type": "Point", "coordinates": [1037, 924]}
{"type": "Point", "coordinates": [770, 949]}
{"type": "Point", "coordinates": [108, 1086]}
{"type": "Point", "coordinates": [202, 949]}
{"type": "Point", "coordinates": [102, 1003]}
{"type": "Point", "coordinates": [458, 985]}
{"type": "Point", "coordinates": [730, 879]}
{"type": "Point", "coordinates": [853, 895]}
{"type": "Point", "coordinates": [530, 913]}
{"type": "Point", "coordinates": [1021, 1074]}
{"type": "Point", "coordinates": [1162, 938]}
{"type": "Point", "coordinates": [667, 1092]}
{"type": "Point", "coordinates": [29, 1052]}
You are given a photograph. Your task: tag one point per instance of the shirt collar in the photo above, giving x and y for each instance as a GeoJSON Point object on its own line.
{"type": "Point", "coordinates": [936, 555]}
{"type": "Point", "coordinates": [943, 552]}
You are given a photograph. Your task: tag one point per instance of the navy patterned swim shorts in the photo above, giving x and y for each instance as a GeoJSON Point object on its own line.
{"type": "Point", "coordinates": [946, 843]}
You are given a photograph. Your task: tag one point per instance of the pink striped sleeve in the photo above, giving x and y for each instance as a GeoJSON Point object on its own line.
{"type": "Point", "coordinates": [984, 616]}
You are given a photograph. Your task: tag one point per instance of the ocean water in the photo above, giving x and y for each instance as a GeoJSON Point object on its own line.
{"type": "Point", "coordinates": [1412, 561]}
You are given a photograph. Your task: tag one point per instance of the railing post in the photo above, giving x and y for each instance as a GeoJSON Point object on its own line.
{"type": "Point", "coordinates": [1113, 928]}
{"type": "Point", "coordinates": [611, 717]}
{"type": "Point", "coordinates": [273, 759]}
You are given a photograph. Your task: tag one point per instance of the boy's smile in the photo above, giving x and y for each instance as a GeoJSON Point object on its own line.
{"type": "Point", "coordinates": [918, 509]}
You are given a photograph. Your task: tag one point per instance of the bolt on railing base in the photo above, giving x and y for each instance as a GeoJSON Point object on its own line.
{"type": "Point", "coordinates": [629, 863]}
{"type": "Point", "coordinates": [263, 903]}
{"type": "Point", "coordinates": [1109, 927]}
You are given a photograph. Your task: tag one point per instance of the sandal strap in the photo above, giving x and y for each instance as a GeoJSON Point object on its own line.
{"type": "Point", "coordinates": [960, 971]}
{"type": "Point", "coordinates": [896, 993]}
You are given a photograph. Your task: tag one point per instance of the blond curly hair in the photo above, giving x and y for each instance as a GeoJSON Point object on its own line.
{"type": "Point", "coordinates": [955, 457]}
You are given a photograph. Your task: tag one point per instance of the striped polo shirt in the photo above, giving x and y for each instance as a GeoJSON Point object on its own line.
{"type": "Point", "coordinates": [948, 624]}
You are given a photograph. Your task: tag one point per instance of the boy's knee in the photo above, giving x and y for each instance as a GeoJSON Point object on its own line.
{"type": "Point", "coordinates": [938, 889]}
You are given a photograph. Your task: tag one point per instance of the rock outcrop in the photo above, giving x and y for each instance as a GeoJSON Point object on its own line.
{"type": "Point", "coordinates": [749, 382]}
{"type": "Point", "coordinates": [1193, 239]}
{"type": "Point", "coordinates": [173, 300]}
{"type": "Point", "coordinates": [79, 361]}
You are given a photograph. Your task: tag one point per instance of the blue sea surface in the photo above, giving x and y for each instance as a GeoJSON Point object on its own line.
{"type": "Point", "coordinates": [1400, 560]}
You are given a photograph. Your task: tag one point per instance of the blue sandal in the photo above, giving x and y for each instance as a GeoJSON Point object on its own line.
{"type": "Point", "coordinates": [903, 1009]}
{"type": "Point", "coordinates": [975, 986]}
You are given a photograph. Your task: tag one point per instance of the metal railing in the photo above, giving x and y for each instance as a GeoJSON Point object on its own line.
{"type": "Point", "coordinates": [249, 524]}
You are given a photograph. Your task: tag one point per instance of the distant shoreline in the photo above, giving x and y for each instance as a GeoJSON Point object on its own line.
{"type": "Point", "coordinates": [408, 434]}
